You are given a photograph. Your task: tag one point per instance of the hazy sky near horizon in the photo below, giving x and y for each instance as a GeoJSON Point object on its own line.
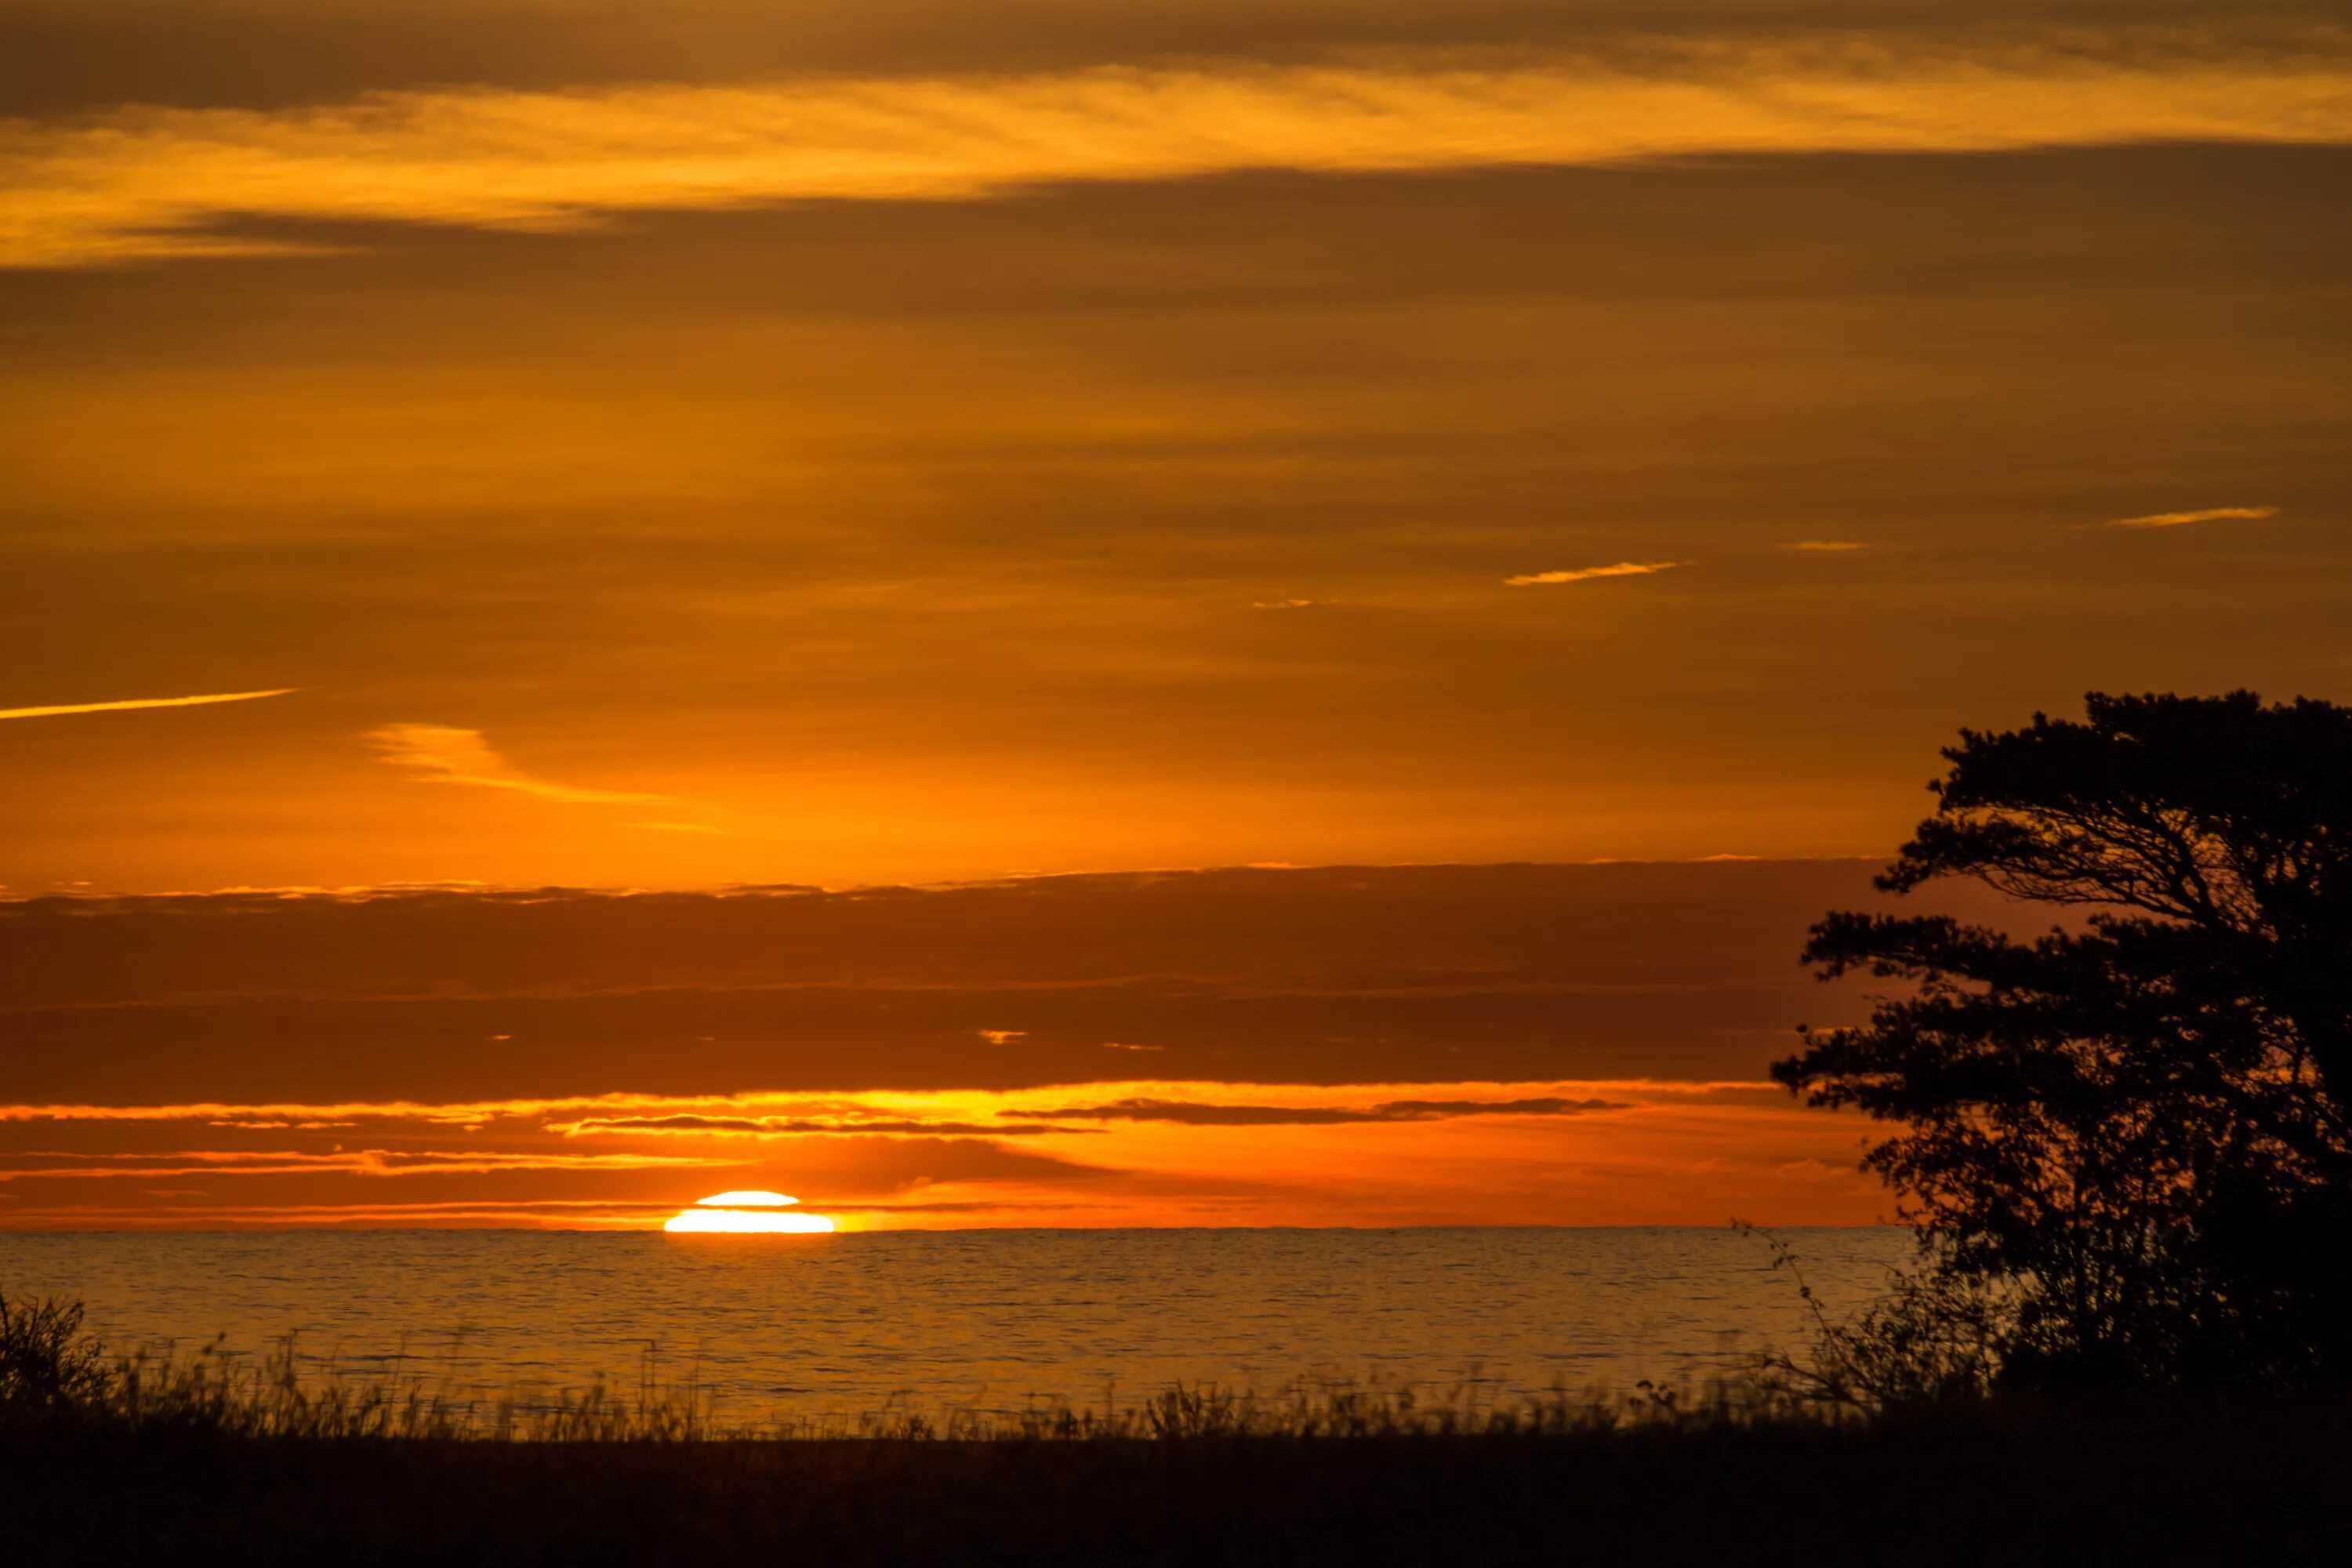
{"type": "Point", "coordinates": [1355, 1046]}
{"type": "Point", "coordinates": [614, 444]}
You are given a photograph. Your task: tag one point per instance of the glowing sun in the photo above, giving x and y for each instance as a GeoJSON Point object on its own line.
{"type": "Point", "coordinates": [746, 1214]}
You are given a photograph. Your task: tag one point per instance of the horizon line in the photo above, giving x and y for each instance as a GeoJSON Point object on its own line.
{"type": "Point", "coordinates": [356, 892]}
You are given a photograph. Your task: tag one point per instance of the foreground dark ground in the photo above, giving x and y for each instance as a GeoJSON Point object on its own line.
{"type": "Point", "coordinates": [2115, 1485]}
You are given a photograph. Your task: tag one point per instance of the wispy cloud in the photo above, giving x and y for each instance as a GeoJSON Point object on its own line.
{"type": "Point", "coordinates": [436, 754]}
{"type": "Point", "coordinates": [934, 1111]}
{"type": "Point", "coordinates": [150, 182]}
{"type": "Point", "coordinates": [794, 1126]}
{"type": "Point", "coordinates": [1826, 546]}
{"type": "Point", "coordinates": [2205, 514]}
{"type": "Point", "coordinates": [1199, 1114]}
{"type": "Point", "coordinates": [133, 703]}
{"type": "Point", "coordinates": [294, 1161]}
{"type": "Point", "coordinates": [1589, 573]}
{"type": "Point", "coordinates": [1286, 603]}
{"type": "Point", "coordinates": [1179, 1150]}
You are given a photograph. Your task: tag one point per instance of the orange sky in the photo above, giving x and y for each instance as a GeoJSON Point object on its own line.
{"type": "Point", "coordinates": [1623, 1154]}
{"type": "Point", "coordinates": [499, 444]}
{"type": "Point", "coordinates": [1368, 1046]}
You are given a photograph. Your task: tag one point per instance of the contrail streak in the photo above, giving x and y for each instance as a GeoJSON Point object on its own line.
{"type": "Point", "coordinates": [130, 703]}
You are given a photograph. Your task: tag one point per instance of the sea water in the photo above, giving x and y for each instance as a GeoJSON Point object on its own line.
{"type": "Point", "coordinates": [989, 1321]}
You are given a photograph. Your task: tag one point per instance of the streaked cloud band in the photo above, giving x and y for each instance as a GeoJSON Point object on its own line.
{"type": "Point", "coordinates": [134, 704]}
{"type": "Point", "coordinates": [439, 753]}
{"type": "Point", "coordinates": [151, 182]}
{"type": "Point", "coordinates": [2205, 514]}
{"type": "Point", "coordinates": [1590, 573]}
{"type": "Point", "coordinates": [1145, 1151]}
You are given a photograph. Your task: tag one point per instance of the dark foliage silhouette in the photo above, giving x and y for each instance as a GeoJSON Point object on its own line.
{"type": "Point", "coordinates": [2130, 1130]}
{"type": "Point", "coordinates": [47, 1364]}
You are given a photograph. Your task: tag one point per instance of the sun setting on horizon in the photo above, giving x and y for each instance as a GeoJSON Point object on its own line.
{"type": "Point", "coordinates": [746, 1214]}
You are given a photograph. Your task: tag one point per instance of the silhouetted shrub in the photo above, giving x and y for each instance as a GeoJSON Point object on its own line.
{"type": "Point", "coordinates": [48, 1366]}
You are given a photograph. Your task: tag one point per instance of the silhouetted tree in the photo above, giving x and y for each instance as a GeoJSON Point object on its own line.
{"type": "Point", "coordinates": [2134, 1125]}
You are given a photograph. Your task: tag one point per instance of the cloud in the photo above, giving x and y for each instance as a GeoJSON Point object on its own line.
{"type": "Point", "coordinates": [793, 1126]}
{"type": "Point", "coordinates": [961, 1111]}
{"type": "Point", "coordinates": [1488, 1151]}
{"type": "Point", "coordinates": [2208, 514]}
{"type": "Point", "coordinates": [1431, 1109]}
{"type": "Point", "coordinates": [1464, 973]}
{"type": "Point", "coordinates": [1288, 604]}
{"type": "Point", "coordinates": [267, 1124]}
{"type": "Point", "coordinates": [128, 704]}
{"type": "Point", "coordinates": [152, 181]}
{"type": "Point", "coordinates": [435, 754]}
{"type": "Point", "coordinates": [1587, 574]}
{"type": "Point", "coordinates": [1825, 546]}
{"type": "Point", "coordinates": [1194, 1113]}
{"type": "Point", "coordinates": [360, 1162]}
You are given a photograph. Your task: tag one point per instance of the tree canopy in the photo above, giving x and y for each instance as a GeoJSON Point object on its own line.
{"type": "Point", "coordinates": [2135, 1121]}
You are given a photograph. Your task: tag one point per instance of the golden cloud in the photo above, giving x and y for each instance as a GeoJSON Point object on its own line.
{"type": "Point", "coordinates": [147, 182]}
{"type": "Point", "coordinates": [134, 703]}
{"type": "Point", "coordinates": [1589, 573]}
{"type": "Point", "coordinates": [435, 754]}
{"type": "Point", "coordinates": [2207, 514]}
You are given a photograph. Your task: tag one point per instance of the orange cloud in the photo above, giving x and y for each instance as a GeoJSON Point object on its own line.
{"type": "Point", "coordinates": [148, 181]}
{"type": "Point", "coordinates": [789, 1126]}
{"type": "Point", "coordinates": [437, 753]}
{"type": "Point", "coordinates": [132, 704]}
{"type": "Point", "coordinates": [1195, 1113]}
{"type": "Point", "coordinates": [1633, 1151]}
{"type": "Point", "coordinates": [360, 1161]}
{"type": "Point", "coordinates": [1587, 574]}
{"type": "Point", "coordinates": [2208, 514]}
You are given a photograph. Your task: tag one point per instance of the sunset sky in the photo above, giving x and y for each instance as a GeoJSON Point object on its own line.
{"type": "Point", "coordinates": [603, 601]}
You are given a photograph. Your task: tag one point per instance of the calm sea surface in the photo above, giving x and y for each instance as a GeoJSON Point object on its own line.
{"type": "Point", "coordinates": [984, 1321]}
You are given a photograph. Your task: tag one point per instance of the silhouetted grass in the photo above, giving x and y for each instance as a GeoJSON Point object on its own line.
{"type": "Point", "coordinates": [206, 1457]}
{"type": "Point", "coordinates": [53, 1374]}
